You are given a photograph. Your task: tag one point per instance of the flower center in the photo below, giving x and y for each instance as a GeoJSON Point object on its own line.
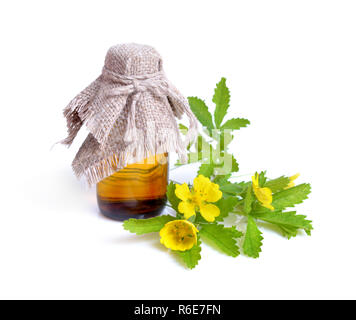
{"type": "Point", "coordinates": [198, 198]}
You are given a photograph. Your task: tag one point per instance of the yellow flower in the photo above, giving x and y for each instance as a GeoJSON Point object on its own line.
{"type": "Point", "coordinates": [291, 181]}
{"type": "Point", "coordinates": [203, 192]}
{"type": "Point", "coordinates": [263, 195]}
{"type": "Point", "coordinates": [179, 235]}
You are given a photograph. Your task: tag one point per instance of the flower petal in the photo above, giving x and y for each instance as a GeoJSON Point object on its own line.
{"type": "Point", "coordinates": [291, 184]}
{"type": "Point", "coordinates": [213, 193]}
{"type": "Point", "coordinates": [292, 178]}
{"type": "Point", "coordinates": [183, 192]}
{"type": "Point", "coordinates": [187, 208]}
{"type": "Point", "coordinates": [255, 182]}
{"type": "Point", "coordinates": [201, 184]}
{"type": "Point", "coordinates": [291, 181]}
{"type": "Point", "coordinates": [264, 195]}
{"type": "Point", "coordinates": [179, 235]}
{"type": "Point", "coordinates": [209, 212]}
{"type": "Point", "coordinates": [206, 190]}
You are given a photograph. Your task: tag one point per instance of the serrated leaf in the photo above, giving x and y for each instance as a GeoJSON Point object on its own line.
{"type": "Point", "coordinates": [236, 233]}
{"type": "Point", "coordinates": [191, 257]}
{"type": "Point", "coordinates": [171, 196]}
{"type": "Point", "coordinates": [248, 200]}
{"type": "Point", "coordinates": [235, 124]}
{"type": "Point", "coordinates": [221, 99]}
{"type": "Point", "coordinates": [206, 170]}
{"type": "Point", "coordinates": [201, 111]}
{"type": "Point", "coordinates": [142, 226]}
{"type": "Point", "coordinates": [226, 205]}
{"type": "Point", "coordinates": [288, 231]}
{"type": "Point", "coordinates": [221, 237]}
{"type": "Point", "coordinates": [253, 239]}
{"type": "Point", "coordinates": [278, 184]}
{"type": "Point", "coordinates": [235, 165]}
{"type": "Point", "coordinates": [286, 221]}
{"type": "Point", "coordinates": [286, 218]}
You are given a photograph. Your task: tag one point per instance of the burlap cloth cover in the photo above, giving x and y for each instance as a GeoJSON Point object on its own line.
{"type": "Point", "coordinates": [130, 111]}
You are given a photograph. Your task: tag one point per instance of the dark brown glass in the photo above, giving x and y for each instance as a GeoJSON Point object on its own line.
{"type": "Point", "coordinates": [136, 191]}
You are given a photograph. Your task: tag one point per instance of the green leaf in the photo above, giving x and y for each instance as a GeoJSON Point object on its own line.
{"type": "Point", "coordinates": [226, 205]}
{"type": "Point", "coordinates": [231, 188]}
{"type": "Point", "coordinates": [253, 239]}
{"type": "Point", "coordinates": [262, 179]}
{"type": "Point", "coordinates": [278, 184]}
{"type": "Point", "coordinates": [235, 165]}
{"type": "Point", "coordinates": [206, 170]}
{"type": "Point", "coordinates": [191, 257]}
{"type": "Point", "coordinates": [287, 221]}
{"type": "Point", "coordinates": [142, 226]}
{"type": "Point", "coordinates": [221, 180]}
{"type": "Point", "coordinates": [248, 200]}
{"type": "Point", "coordinates": [288, 198]}
{"type": "Point", "coordinates": [286, 218]}
{"type": "Point", "coordinates": [236, 233]}
{"type": "Point", "coordinates": [171, 196]}
{"type": "Point", "coordinates": [201, 111]}
{"type": "Point", "coordinates": [221, 237]}
{"type": "Point", "coordinates": [288, 231]}
{"type": "Point", "coordinates": [235, 124]}
{"type": "Point", "coordinates": [228, 188]}
{"type": "Point", "coordinates": [221, 99]}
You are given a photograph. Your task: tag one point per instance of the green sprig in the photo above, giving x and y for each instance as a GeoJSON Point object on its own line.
{"type": "Point", "coordinates": [237, 198]}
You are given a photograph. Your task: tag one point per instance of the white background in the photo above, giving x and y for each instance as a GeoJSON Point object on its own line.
{"type": "Point", "coordinates": [291, 68]}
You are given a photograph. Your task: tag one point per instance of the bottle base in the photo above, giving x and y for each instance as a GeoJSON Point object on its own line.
{"type": "Point", "coordinates": [138, 209]}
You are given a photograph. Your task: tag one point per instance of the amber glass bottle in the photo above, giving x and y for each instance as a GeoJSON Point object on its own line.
{"type": "Point", "coordinates": [136, 191]}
